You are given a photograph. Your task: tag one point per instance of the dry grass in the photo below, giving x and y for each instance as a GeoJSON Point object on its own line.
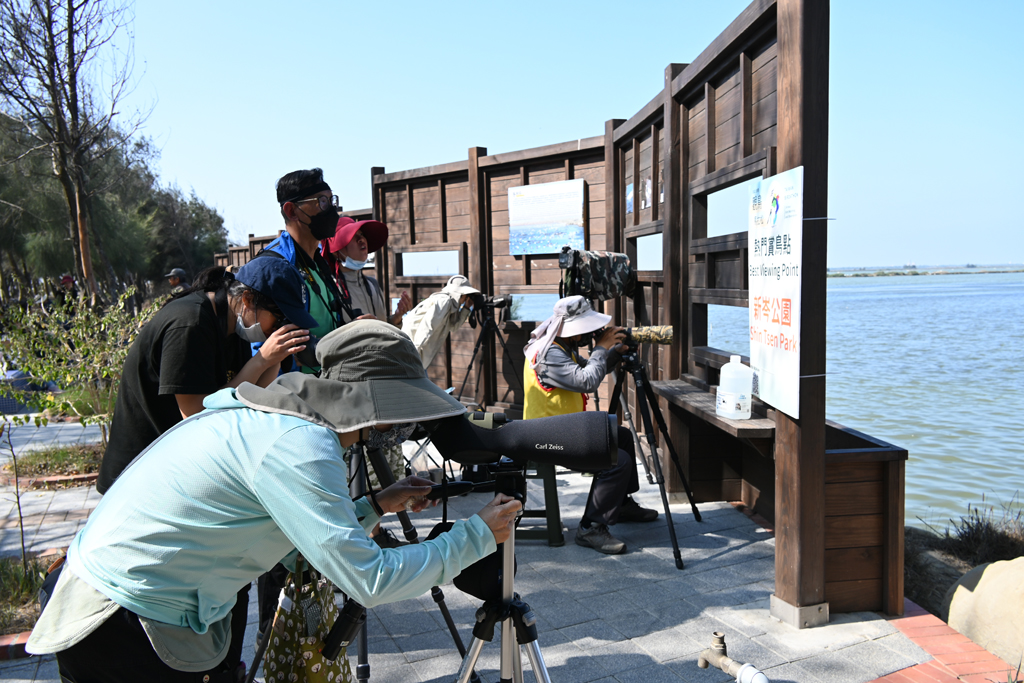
{"type": "Point", "coordinates": [985, 535]}
{"type": "Point", "coordinates": [935, 560]}
{"type": "Point", "coordinates": [62, 460]}
{"type": "Point", "coordinates": [19, 608]}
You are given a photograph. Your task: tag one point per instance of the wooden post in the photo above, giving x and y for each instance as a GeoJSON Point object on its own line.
{"type": "Point", "coordinates": [893, 548]}
{"type": "Point", "coordinates": [803, 41]}
{"type": "Point", "coordinates": [443, 205]}
{"type": "Point", "coordinates": [613, 187]}
{"type": "Point", "coordinates": [746, 106]}
{"type": "Point", "coordinates": [384, 255]}
{"type": "Point", "coordinates": [674, 266]}
{"type": "Point", "coordinates": [709, 127]}
{"type": "Point", "coordinates": [479, 268]}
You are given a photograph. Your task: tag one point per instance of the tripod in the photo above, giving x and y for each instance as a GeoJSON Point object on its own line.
{"type": "Point", "coordinates": [488, 327]}
{"type": "Point", "coordinates": [518, 624]}
{"type": "Point", "coordinates": [386, 478]}
{"type": "Point", "coordinates": [648, 403]}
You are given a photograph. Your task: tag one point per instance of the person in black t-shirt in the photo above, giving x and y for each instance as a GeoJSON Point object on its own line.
{"type": "Point", "coordinates": [197, 344]}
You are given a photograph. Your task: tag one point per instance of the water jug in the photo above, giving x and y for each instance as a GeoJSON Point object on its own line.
{"type": "Point", "coordinates": [734, 390]}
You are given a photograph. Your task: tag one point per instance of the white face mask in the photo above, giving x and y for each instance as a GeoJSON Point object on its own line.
{"type": "Point", "coordinates": [253, 334]}
{"type": "Point", "coordinates": [352, 264]}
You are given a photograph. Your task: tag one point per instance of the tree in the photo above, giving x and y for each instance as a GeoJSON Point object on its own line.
{"type": "Point", "coordinates": [184, 233]}
{"type": "Point", "coordinates": [51, 52]}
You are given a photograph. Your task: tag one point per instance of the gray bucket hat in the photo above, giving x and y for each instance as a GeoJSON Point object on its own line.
{"type": "Point", "coordinates": [370, 374]}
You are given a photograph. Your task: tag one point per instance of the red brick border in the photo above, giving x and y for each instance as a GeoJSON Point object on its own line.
{"type": "Point", "coordinates": [43, 482]}
{"type": "Point", "coordinates": [13, 646]}
{"type": "Point", "coordinates": [956, 658]}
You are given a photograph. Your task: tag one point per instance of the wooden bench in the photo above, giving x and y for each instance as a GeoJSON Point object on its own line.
{"type": "Point", "coordinates": [864, 499]}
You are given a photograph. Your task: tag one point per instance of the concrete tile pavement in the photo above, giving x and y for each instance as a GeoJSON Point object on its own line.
{"type": "Point", "coordinates": [618, 618]}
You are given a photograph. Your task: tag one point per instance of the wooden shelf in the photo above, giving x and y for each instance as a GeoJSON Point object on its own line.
{"type": "Point", "coordinates": [702, 404]}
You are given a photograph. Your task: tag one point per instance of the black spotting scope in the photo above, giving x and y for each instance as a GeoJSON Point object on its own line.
{"type": "Point", "coordinates": [586, 441]}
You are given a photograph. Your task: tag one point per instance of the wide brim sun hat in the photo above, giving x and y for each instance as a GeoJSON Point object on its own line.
{"type": "Point", "coordinates": [572, 315]}
{"type": "Point", "coordinates": [578, 317]}
{"type": "Point", "coordinates": [458, 285]}
{"type": "Point", "coordinates": [370, 374]}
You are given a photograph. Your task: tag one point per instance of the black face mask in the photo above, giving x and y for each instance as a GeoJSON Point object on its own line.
{"type": "Point", "coordinates": [585, 339]}
{"type": "Point", "coordinates": [324, 224]}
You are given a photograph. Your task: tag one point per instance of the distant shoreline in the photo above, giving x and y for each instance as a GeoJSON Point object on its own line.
{"type": "Point", "coordinates": [910, 272]}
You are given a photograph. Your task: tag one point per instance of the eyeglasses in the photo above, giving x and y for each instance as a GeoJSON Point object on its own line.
{"type": "Point", "coordinates": [323, 201]}
{"type": "Point", "coordinates": [279, 319]}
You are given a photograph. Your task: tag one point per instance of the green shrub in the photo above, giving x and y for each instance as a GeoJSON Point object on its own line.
{"type": "Point", "coordinates": [81, 349]}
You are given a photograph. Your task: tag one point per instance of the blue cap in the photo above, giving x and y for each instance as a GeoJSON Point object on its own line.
{"type": "Point", "coordinates": [280, 282]}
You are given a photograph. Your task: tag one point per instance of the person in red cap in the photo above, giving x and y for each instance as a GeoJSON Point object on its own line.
{"type": "Point", "coordinates": [68, 290]}
{"type": "Point", "coordinates": [348, 252]}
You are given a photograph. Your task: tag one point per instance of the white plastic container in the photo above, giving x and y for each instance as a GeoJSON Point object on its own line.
{"type": "Point", "coordinates": [734, 389]}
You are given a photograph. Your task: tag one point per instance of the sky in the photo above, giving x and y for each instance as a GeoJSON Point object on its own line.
{"type": "Point", "coordinates": [925, 102]}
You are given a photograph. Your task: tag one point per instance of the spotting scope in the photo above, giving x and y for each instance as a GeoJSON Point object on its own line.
{"type": "Point", "coordinates": [586, 441]}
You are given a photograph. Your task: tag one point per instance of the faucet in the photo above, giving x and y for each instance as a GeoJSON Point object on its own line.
{"type": "Point", "coordinates": [716, 656]}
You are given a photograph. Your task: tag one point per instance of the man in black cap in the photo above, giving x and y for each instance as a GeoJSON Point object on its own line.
{"type": "Point", "coordinates": [176, 278]}
{"type": "Point", "coordinates": [310, 213]}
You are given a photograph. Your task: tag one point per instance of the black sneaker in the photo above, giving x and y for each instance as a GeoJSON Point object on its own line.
{"type": "Point", "coordinates": [387, 539]}
{"type": "Point", "coordinates": [630, 511]}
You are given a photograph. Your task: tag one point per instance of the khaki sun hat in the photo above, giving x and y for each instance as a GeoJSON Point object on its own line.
{"type": "Point", "coordinates": [370, 374]}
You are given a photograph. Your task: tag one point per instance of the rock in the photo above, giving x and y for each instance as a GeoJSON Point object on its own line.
{"type": "Point", "coordinates": [986, 605]}
{"type": "Point", "coordinates": [928, 571]}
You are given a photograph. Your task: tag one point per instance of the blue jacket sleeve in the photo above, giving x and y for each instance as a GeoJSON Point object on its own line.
{"type": "Point", "coordinates": [302, 483]}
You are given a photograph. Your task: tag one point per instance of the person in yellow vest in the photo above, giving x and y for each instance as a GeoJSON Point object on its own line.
{"type": "Point", "coordinates": [557, 382]}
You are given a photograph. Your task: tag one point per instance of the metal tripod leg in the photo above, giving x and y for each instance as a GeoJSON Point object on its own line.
{"type": "Point", "coordinates": [628, 417]}
{"type": "Point", "coordinates": [386, 478]}
{"type": "Point", "coordinates": [357, 488]}
{"type": "Point", "coordinates": [652, 401]}
{"type": "Point", "coordinates": [540, 669]}
{"type": "Point", "coordinates": [518, 627]}
{"type": "Point", "coordinates": [469, 368]}
{"type": "Point", "coordinates": [660, 477]}
{"type": "Point", "coordinates": [487, 327]}
{"type": "Point", "coordinates": [363, 654]}
{"type": "Point", "coordinates": [469, 662]}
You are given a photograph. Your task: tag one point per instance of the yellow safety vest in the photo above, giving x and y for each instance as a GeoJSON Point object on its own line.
{"type": "Point", "coordinates": [542, 401]}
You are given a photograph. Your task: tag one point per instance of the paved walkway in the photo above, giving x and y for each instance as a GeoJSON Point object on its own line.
{"type": "Point", "coordinates": [51, 518]}
{"type": "Point", "coordinates": [625, 618]}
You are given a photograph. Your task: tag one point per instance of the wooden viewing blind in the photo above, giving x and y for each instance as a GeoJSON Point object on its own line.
{"type": "Point", "coordinates": [751, 105]}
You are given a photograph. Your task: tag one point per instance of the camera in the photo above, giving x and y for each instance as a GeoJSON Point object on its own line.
{"type": "Point", "coordinates": [483, 302]}
{"type": "Point", "coordinates": [595, 275]}
{"type": "Point", "coordinates": [484, 307]}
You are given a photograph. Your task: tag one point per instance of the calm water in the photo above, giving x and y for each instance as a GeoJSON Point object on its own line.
{"type": "Point", "coordinates": [933, 364]}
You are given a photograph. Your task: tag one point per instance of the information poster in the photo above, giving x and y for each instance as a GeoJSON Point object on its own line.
{"type": "Point", "coordinates": [544, 218]}
{"type": "Point", "coordinates": [775, 234]}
